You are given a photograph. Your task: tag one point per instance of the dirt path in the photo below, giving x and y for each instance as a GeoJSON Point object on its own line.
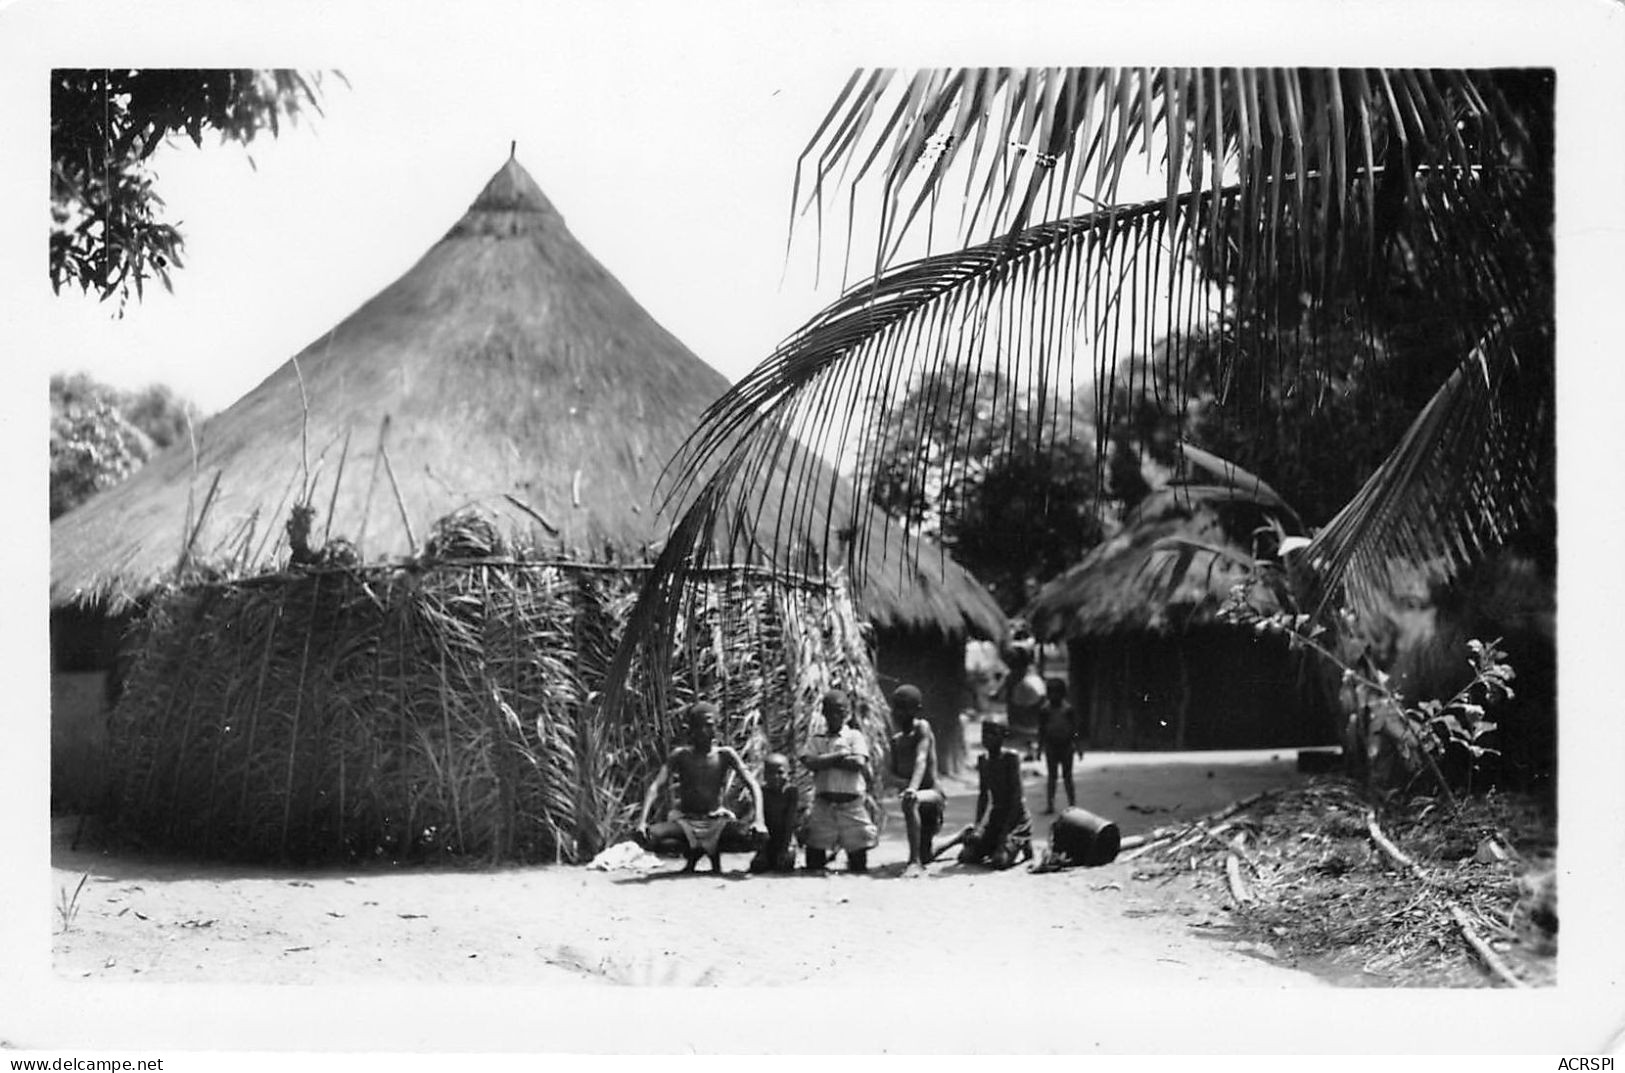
{"type": "Point", "coordinates": [147, 919]}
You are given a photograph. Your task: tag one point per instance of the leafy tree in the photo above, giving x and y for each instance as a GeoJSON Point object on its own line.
{"type": "Point", "coordinates": [1014, 507]}
{"type": "Point", "coordinates": [108, 232]}
{"type": "Point", "coordinates": [100, 435]}
{"type": "Point", "coordinates": [161, 414]}
{"type": "Point", "coordinates": [1410, 207]}
{"type": "Point", "coordinates": [1032, 513]}
{"type": "Point", "coordinates": [92, 448]}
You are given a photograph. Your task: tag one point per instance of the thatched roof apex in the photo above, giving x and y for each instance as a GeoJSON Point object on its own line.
{"type": "Point", "coordinates": [506, 371]}
{"type": "Point", "coordinates": [512, 198]}
{"type": "Point", "coordinates": [1133, 581]}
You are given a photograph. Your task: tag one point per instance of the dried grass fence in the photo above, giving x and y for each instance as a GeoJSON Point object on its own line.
{"type": "Point", "coordinates": [445, 707]}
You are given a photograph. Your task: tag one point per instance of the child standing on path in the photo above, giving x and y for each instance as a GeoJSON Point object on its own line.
{"type": "Point", "coordinates": [1062, 742]}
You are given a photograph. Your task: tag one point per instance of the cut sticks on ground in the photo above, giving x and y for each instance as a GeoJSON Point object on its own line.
{"type": "Point", "coordinates": [1238, 885]}
{"type": "Point", "coordinates": [1474, 940]}
{"type": "Point", "coordinates": [1196, 829]}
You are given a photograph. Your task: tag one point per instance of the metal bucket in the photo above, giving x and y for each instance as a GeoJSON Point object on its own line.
{"type": "Point", "coordinates": [1084, 837]}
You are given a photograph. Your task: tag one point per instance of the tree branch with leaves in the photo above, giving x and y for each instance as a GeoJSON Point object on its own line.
{"type": "Point", "coordinates": [109, 234]}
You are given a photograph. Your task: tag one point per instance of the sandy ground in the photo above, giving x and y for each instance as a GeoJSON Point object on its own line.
{"type": "Point", "coordinates": [142, 918]}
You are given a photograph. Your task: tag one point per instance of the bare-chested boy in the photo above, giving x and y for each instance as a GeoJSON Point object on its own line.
{"type": "Point", "coordinates": [914, 769]}
{"type": "Point", "coordinates": [1002, 835]}
{"type": "Point", "coordinates": [781, 807]}
{"type": "Point", "coordinates": [700, 821]}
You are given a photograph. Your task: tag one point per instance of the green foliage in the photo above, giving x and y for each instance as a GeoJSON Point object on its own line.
{"type": "Point", "coordinates": [1030, 515]}
{"type": "Point", "coordinates": [162, 414]}
{"type": "Point", "coordinates": [92, 448]}
{"type": "Point", "coordinates": [1460, 721]}
{"type": "Point", "coordinates": [67, 905]}
{"type": "Point", "coordinates": [1014, 502]}
{"type": "Point", "coordinates": [108, 232]}
{"type": "Point", "coordinates": [1432, 725]}
{"type": "Point", "coordinates": [100, 435]}
{"type": "Point", "coordinates": [1315, 416]}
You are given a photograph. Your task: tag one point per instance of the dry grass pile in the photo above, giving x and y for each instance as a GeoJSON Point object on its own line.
{"type": "Point", "coordinates": [444, 707]}
{"type": "Point", "coordinates": [1305, 874]}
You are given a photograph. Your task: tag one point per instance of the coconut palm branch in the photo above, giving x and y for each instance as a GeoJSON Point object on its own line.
{"type": "Point", "coordinates": [1467, 471]}
{"type": "Point", "coordinates": [1019, 145]}
{"type": "Point", "coordinates": [1314, 194]}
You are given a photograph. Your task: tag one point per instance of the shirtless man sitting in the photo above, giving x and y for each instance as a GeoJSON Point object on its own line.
{"type": "Point", "coordinates": [700, 821]}
{"type": "Point", "coordinates": [914, 770]}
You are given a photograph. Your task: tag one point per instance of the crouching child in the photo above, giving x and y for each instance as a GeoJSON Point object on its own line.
{"type": "Point", "coordinates": [781, 807]}
{"type": "Point", "coordinates": [700, 822]}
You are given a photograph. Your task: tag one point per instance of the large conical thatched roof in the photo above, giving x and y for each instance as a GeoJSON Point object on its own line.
{"type": "Point", "coordinates": [508, 371]}
{"type": "Point", "coordinates": [1169, 568]}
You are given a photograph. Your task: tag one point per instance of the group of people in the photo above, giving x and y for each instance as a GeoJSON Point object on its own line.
{"type": "Point", "coordinates": [842, 815]}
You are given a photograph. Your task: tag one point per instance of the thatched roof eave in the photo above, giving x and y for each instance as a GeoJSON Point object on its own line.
{"type": "Point", "coordinates": [1168, 571]}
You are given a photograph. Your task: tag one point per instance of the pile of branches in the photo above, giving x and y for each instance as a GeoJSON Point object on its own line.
{"type": "Point", "coordinates": [1403, 893]}
{"type": "Point", "coordinates": [445, 707]}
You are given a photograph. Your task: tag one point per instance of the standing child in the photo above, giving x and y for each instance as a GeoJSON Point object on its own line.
{"type": "Point", "coordinates": [1062, 742]}
{"type": "Point", "coordinates": [839, 818]}
{"type": "Point", "coordinates": [781, 805]}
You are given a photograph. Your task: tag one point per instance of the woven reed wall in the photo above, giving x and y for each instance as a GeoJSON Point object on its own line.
{"type": "Point", "coordinates": [446, 709]}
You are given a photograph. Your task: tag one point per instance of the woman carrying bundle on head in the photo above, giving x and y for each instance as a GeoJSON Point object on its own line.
{"type": "Point", "coordinates": [1023, 695]}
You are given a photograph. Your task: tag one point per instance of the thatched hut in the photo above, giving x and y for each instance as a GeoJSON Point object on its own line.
{"type": "Point", "coordinates": [508, 373]}
{"type": "Point", "coordinates": [1152, 665]}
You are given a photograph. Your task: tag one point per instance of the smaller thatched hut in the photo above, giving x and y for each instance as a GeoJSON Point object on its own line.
{"type": "Point", "coordinates": [1152, 665]}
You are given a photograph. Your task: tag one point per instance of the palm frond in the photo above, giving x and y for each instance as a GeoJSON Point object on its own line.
{"type": "Point", "coordinates": [1212, 469]}
{"type": "Point", "coordinates": [1301, 196]}
{"type": "Point", "coordinates": [1467, 473]}
{"type": "Point", "coordinates": [954, 315]}
{"type": "Point", "coordinates": [1030, 143]}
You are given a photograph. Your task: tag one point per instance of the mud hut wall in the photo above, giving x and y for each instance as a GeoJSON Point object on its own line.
{"type": "Point", "coordinates": [936, 665]}
{"type": "Point", "coordinates": [78, 740]}
{"type": "Point", "coordinates": [344, 714]}
{"type": "Point", "coordinates": [1230, 689]}
{"type": "Point", "coordinates": [88, 664]}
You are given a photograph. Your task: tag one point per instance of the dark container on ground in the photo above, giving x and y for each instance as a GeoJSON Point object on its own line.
{"type": "Point", "coordinates": [1084, 837]}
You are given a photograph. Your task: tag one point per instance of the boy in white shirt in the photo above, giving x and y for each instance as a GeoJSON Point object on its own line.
{"type": "Point", "coordinates": [839, 818]}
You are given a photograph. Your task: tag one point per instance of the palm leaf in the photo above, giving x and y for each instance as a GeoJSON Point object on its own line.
{"type": "Point", "coordinates": [1054, 129]}
{"type": "Point", "coordinates": [1468, 471]}
{"type": "Point", "coordinates": [1279, 183]}
{"type": "Point", "coordinates": [1213, 469]}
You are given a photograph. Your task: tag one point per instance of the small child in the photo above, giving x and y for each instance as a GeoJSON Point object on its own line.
{"type": "Point", "coordinates": [781, 806]}
{"type": "Point", "coordinates": [1061, 741]}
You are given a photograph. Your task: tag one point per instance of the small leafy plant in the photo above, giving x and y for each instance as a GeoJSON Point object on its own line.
{"type": "Point", "coordinates": [1432, 725]}
{"type": "Point", "coordinates": [67, 906]}
{"type": "Point", "coordinates": [1461, 720]}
